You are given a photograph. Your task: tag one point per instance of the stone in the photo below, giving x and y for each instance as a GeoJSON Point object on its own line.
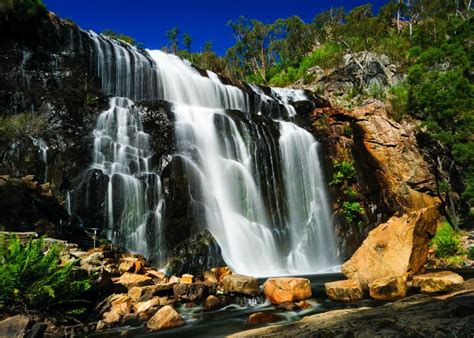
{"type": "Point", "coordinates": [288, 306]}
{"type": "Point", "coordinates": [263, 317]}
{"type": "Point", "coordinates": [345, 290]}
{"type": "Point", "coordinates": [129, 264]}
{"type": "Point", "coordinates": [437, 281]}
{"type": "Point", "coordinates": [388, 288]}
{"type": "Point", "coordinates": [15, 327]}
{"type": "Point", "coordinates": [155, 274]}
{"type": "Point", "coordinates": [246, 285]}
{"type": "Point", "coordinates": [287, 289]}
{"type": "Point", "coordinates": [187, 278]}
{"type": "Point", "coordinates": [216, 275]}
{"type": "Point", "coordinates": [394, 248]}
{"type": "Point", "coordinates": [147, 305]}
{"type": "Point", "coordinates": [129, 280]}
{"type": "Point", "coordinates": [212, 303]}
{"type": "Point", "coordinates": [189, 292]}
{"type": "Point", "coordinates": [304, 305]}
{"type": "Point", "coordinates": [174, 280]}
{"type": "Point", "coordinates": [165, 318]}
{"type": "Point", "coordinates": [116, 313]}
{"type": "Point", "coordinates": [144, 293]}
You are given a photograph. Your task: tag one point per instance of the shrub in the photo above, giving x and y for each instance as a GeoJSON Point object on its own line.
{"type": "Point", "coordinates": [446, 242]}
{"type": "Point", "coordinates": [17, 126]}
{"type": "Point", "coordinates": [398, 97]}
{"type": "Point", "coordinates": [343, 170]}
{"type": "Point", "coordinates": [352, 211]}
{"type": "Point", "coordinates": [470, 253]}
{"type": "Point", "coordinates": [31, 276]}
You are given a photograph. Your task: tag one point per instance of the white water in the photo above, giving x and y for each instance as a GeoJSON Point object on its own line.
{"type": "Point", "coordinates": [261, 182]}
{"type": "Point", "coordinates": [235, 210]}
{"type": "Point", "coordinates": [43, 154]}
{"type": "Point", "coordinates": [122, 152]}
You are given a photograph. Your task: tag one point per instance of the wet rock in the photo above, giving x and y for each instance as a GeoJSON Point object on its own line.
{"type": "Point", "coordinates": [288, 306]}
{"type": "Point", "coordinates": [246, 285]}
{"type": "Point", "coordinates": [395, 248]}
{"type": "Point", "coordinates": [147, 305]}
{"type": "Point", "coordinates": [165, 318]}
{"type": "Point", "coordinates": [192, 292]}
{"type": "Point", "coordinates": [144, 293]}
{"type": "Point", "coordinates": [15, 327]}
{"type": "Point", "coordinates": [131, 264]}
{"type": "Point", "coordinates": [280, 290]}
{"type": "Point", "coordinates": [388, 288]}
{"type": "Point", "coordinates": [129, 280]}
{"type": "Point", "coordinates": [216, 275]}
{"type": "Point", "coordinates": [156, 275]}
{"type": "Point", "coordinates": [304, 305]}
{"type": "Point", "coordinates": [437, 281]}
{"type": "Point", "coordinates": [263, 317]}
{"type": "Point", "coordinates": [195, 254]}
{"type": "Point", "coordinates": [344, 290]}
{"type": "Point", "coordinates": [212, 303]}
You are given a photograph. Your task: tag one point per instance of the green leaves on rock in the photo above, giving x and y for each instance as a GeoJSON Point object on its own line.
{"type": "Point", "coordinates": [31, 275]}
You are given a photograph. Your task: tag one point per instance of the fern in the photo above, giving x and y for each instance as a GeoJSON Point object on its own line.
{"type": "Point", "coordinates": [31, 275]}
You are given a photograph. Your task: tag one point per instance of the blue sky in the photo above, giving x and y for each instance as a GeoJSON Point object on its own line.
{"type": "Point", "coordinates": [148, 20]}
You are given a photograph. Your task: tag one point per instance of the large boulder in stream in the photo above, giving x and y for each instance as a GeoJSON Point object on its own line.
{"type": "Point", "coordinates": [344, 290]}
{"type": "Point", "coordinates": [395, 248]}
{"type": "Point", "coordinates": [283, 290]}
{"type": "Point", "coordinates": [165, 318]}
{"type": "Point", "coordinates": [437, 281]}
{"type": "Point", "coordinates": [245, 285]}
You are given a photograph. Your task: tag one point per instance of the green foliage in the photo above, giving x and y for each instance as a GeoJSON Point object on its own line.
{"type": "Point", "coordinates": [14, 127]}
{"type": "Point", "coordinates": [31, 275]}
{"type": "Point", "coordinates": [23, 9]}
{"type": "Point", "coordinates": [343, 171]}
{"type": "Point", "coordinates": [398, 98]}
{"type": "Point", "coordinates": [446, 241]}
{"type": "Point", "coordinates": [352, 211]}
{"type": "Point", "coordinates": [470, 253]}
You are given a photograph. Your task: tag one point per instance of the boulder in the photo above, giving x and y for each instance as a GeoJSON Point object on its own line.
{"type": "Point", "coordinates": [395, 248]}
{"type": "Point", "coordinates": [246, 285]}
{"type": "Point", "coordinates": [345, 290]}
{"type": "Point", "coordinates": [216, 275]}
{"type": "Point", "coordinates": [15, 327]}
{"type": "Point", "coordinates": [130, 264]}
{"type": "Point", "coordinates": [388, 288]}
{"type": "Point", "coordinates": [190, 292]}
{"type": "Point", "coordinates": [146, 306]}
{"type": "Point", "coordinates": [263, 317]}
{"type": "Point", "coordinates": [130, 280]}
{"type": "Point", "coordinates": [212, 303]}
{"type": "Point", "coordinates": [116, 313]}
{"type": "Point", "coordinates": [165, 318]}
{"type": "Point", "coordinates": [147, 292]}
{"type": "Point", "coordinates": [437, 281]}
{"type": "Point", "coordinates": [281, 290]}
{"type": "Point", "coordinates": [155, 274]}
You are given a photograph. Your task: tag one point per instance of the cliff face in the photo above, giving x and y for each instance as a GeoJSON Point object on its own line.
{"type": "Point", "coordinates": [392, 175]}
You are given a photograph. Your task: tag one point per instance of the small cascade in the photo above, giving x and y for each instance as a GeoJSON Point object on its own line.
{"type": "Point", "coordinates": [124, 70]}
{"type": "Point", "coordinates": [122, 152]}
{"type": "Point", "coordinates": [312, 239]}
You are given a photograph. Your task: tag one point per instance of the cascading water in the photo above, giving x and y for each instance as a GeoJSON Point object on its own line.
{"type": "Point", "coordinates": [122, 152]}
{"type": "Point", "coordinates": [258, 174]}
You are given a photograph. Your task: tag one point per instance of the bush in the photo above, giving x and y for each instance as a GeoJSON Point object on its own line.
{"type": "Point", "coordinates": [445, 241]}
{"type": "Point", "coordinates": [343, 170]}
{"type": "Point", "coordinates": [31, 276]}
{"type": "Point", "coordinates": [398, 97]}
{"type": "Point", "coordinates": [470, 253]}
{"type": "Point", "coordinates": [352, 211]}
{"type": "Point", "coordinates": [14, 127]}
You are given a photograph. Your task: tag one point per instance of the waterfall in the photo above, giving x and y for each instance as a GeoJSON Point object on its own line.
{"type": "Point", "coordinates": [43, 154]}
{"type": "Point", "coordinates": [122, 152]}
{"type": "Point", "coordinates": [256, 174]}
